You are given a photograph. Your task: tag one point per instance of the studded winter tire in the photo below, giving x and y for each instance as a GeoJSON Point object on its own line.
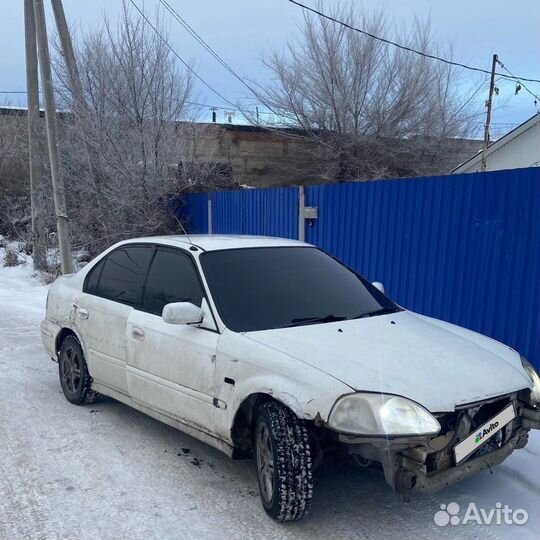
{"type": "Point", "coordinates": [284, 463]}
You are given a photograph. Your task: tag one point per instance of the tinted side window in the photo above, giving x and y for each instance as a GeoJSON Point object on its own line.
{"type": "Point", "coordinates": [122, 272]}
{"type": "Point", "coordinates": [172, 278]}
{"type": "Point", "coordinates": [92, 280]}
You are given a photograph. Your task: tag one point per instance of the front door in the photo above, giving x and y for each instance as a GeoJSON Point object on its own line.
{"type": "Point", "coordinates": [170, 368]}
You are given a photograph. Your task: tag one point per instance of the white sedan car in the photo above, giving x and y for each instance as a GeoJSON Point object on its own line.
{"type": "Point", "coordinates": [270, 348]}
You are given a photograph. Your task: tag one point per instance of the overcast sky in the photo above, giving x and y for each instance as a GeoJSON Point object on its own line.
{"type": "Point", "coordinates": [239, 30]}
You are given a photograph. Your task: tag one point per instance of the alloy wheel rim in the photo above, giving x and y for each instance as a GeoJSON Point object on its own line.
{"type": "Point", "coordinates": [265, 462]}
{"type": "Point", "coordinates": [71, 370]}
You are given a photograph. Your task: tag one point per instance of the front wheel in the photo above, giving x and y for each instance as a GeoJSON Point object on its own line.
{"type": "Point", "coordinates": [284, 465]}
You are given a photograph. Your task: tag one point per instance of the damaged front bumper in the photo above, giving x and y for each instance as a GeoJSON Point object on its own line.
{"type": "Point", "coordinates": [428, 464]}
{"type": "Point", "coordinates": [530, 418]}
{"type": "Point", "coordinates": [440, 480]}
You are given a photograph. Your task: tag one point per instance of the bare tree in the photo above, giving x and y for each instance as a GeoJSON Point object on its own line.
{"type": "Point", "coordinates": [367, 108]}
{"type": "Point", "coordinates": [14, 184]}
{"type": "Point", "coordinates": [13, 150]}
{"type": "Point", "coordinates": [15, 205]}
{"type": "Point", "coordinates": [123, 145]}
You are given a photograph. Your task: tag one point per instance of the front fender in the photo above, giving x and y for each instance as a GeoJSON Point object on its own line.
{"type": "Point", "coordinates": [301, 399]}
{"type": "Point", "coordinates": [245, 367]}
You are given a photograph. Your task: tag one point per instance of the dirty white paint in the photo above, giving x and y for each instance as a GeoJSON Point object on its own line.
{"type": "Point", "coordinates": [436, 364]}
{"type": "Point", "coordinates": [122, 474]}
{"type": "Point", "coordinates": [178, 370]}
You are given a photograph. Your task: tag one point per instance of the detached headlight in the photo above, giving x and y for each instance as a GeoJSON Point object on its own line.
{"type": "Point", "coordinates": [535, 379]}
{"type": "Point", "coordinates": [381, 414]}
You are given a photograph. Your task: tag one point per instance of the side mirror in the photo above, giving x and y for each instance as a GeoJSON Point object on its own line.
{"type": "Point", "coordinates": [379, 286]}
{"type": "Point", "coordinates": [182, 313]}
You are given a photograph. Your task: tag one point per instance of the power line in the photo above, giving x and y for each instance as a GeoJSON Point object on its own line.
{"type": "Point", "coordinates": [194, 103]}
{"type": "Point", "coordinates": [404, 47]}
{"type": "Point", "coordinates": [179, 57]}
{"type": "Point", "coordinates": [519, 81]}
{"type": "Point", "coordinates": [204, 44]}
{"type": "Point", "coordinates": [209, 49]}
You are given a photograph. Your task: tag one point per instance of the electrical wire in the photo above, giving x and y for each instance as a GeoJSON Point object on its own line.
{"type": "Point", "coordinates": [179, 57]}
{"type": "Point", "coordinates": [519, 81]}
{"type": "Point", "coordinates": [404, 47]}
{"type": "Point", "coordinates": [204, 44]}
{"type": "Point", "coordinates": [194, 103]}
{"type": "Point", "coordinates": [195, 35]}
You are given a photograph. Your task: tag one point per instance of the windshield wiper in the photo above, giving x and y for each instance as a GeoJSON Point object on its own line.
{"type": "Point", "coordinates": [313, 320]}
{"type": "Point", "coordinates": [335, 318]}
{"type": "Point", "coordinates": [380, 311]}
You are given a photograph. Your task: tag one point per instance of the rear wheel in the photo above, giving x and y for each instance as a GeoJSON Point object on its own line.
{"type": "Point", "coordinates": [284, 464]}
{"type": "Point", "coordinates": [73, 372]}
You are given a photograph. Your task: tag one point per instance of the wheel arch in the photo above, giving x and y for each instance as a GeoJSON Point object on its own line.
{"type": "Point", "coordinates": [244, 419]}
{"type": "Point", "coordinates": [64, 332]}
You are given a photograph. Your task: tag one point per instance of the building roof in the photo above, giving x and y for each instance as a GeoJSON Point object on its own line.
{"type": "Point", "coordinates": [214, 242]}
{"type": "Point", "coordinates": [499, 143]}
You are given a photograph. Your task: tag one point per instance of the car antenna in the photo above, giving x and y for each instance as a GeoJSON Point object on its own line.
{"type": "Point", "coordinates": [183, 229]}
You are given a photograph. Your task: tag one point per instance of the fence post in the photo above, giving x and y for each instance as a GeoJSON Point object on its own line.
{"type": "Point", "coordinates": [209, 213]}
{"type": "Point", "coordinates": [301, 214]}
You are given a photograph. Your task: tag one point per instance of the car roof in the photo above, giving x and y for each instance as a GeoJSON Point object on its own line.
{"type": "Point", "coordinates": [214, 242]}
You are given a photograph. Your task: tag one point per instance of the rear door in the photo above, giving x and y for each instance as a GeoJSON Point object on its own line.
{"type": "Point", "coordinates": [111, 290]}
{"type": "Point", "coordinates": [171, 367]}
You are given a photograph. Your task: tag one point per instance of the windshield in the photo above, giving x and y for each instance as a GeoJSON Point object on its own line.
{"type": "Point", "coordinates": [277, 287]}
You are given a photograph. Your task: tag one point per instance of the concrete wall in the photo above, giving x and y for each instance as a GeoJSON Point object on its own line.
{"type": "Point", "coordinates": [262, 157]}
{"type": "Point", "coordinates": [258, 157]}
{"type": "Point", "coordinates": [14, 174]}
{"type": "Point", "coordinates": [271, 158]}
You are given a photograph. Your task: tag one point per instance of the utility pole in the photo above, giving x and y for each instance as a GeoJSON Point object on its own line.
{"type": "Point", "coordinates": [488, 113]}
{"type": "Point", "coordinates": [39, 243]}
{"type": "Point", "coordinates": [67, 50]}
{"type": "Point", "coordinates": [59, 195]}
{"type": "Point", "coordinates": [79, 106]}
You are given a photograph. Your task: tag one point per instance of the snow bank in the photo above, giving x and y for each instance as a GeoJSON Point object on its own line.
{"type": "Point", "coordinates": [21, 288]}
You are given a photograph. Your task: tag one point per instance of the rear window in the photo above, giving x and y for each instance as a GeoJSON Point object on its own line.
{"type": "Point", "coordinates": [92, 280]}
{"type": "Point", "coordinates": [119, 276]}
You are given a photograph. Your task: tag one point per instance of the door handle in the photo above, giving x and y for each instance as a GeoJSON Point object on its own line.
{"type": "Point", "coordinates": [82, 313]}
{"type": "Point", "coordinates": [137, 333]}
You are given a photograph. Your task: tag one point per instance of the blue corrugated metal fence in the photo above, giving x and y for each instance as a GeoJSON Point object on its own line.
{"type": "Point", "coordinates": [270, 212]}
{"type": "Point", "coordinates": [462, 248]}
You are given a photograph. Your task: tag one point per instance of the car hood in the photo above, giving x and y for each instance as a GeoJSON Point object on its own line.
{"type": "Point", "coordinates": [434, 363]}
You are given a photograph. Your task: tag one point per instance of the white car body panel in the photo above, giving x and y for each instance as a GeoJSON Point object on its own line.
{"type": "Point", "coordinates": [405, 354]}
{"type": "Point", "coordinates": [172, 369]}
{"type": "Point", "coordinates": [177, 373]}
{"type": "Point", "coordinates": [104, 335]}
{"type": "Point", "coordinates": [257, 368]}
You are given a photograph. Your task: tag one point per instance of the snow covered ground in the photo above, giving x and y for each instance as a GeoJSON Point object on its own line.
{"type": "Point", "coordinates": [104, 471]}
